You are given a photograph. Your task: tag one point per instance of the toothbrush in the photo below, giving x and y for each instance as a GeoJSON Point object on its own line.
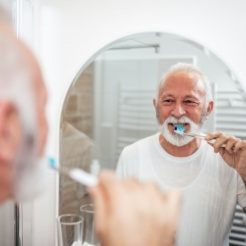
{"type": "Point", "coordinates": [179, 129]}
{"type": "Point", "coordinates": [195, 134]}
{"type": "Point", "coordinates": [76, 174]}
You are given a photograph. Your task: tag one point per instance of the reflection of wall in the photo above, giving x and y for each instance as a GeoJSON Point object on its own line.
{"type": "Point", "coordinates": [76, 145]}
{"type": "Point", "coordinates": [75, 148]}
{"type": "Point", "coordinates": [79, 108]}
{"type": "Point", "coordinates": [75, 151]}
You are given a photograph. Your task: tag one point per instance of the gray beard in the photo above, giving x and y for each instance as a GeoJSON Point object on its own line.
{"type": "Point", "coordinates": [28, 171]}
{"type": "Point", "coordinates": [176, 139]}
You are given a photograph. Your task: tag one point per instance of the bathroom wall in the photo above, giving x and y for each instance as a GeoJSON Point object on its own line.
{"type": "Point", "coordinates": [68, 33]}
{"type": "Point", "coordinates": [76, 145]}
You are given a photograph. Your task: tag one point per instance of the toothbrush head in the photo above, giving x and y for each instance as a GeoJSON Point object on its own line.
{"type": "Point", "coordinates": [52, 162]}
{"type": "Point", "coordinates": [179, 128]}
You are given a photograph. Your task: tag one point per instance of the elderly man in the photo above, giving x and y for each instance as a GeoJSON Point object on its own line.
{"type": "Point", "coordinates": [211, 173]}
{"type": "Point", "coordinates": [23, 126]}
{"type": "Point", "coordinates": [123, 208]}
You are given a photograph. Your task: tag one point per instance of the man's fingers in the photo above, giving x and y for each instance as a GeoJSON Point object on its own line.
{"type": "Point", "coordinates": [222, 140]}
{"type": "Point", "coordinates": [100, 204]}
{"type": "Point", "coordinates": [213, 135]}
{"type": "Point", "coordinates": [107, 180]}
{"type": "Point", "coordinates": [219, 143]}
{"type": "Point", "coordinates": [231, 144]}
{"type": "Point", "coordinates": [174, 200]}
{"type": "Point", "coordinates": [240, 145]}
{"type": "Point", "coordinates": [170, 215]}
{"type": "Point", "coordinates": [131, 183]}
{"type": "Point", "coordinates": [107, 175]}
{"type": "Point", "coordinates": [102, 197]}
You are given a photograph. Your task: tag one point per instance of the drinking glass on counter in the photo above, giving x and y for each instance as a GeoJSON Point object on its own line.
{"type": "Point", "coordinates": [87, 212]}
{"type": "Point", "coordinates": [70, 230]}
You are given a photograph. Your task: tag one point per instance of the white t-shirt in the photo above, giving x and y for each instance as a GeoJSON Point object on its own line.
{"type": "Point", "coordinates": [210, 188]}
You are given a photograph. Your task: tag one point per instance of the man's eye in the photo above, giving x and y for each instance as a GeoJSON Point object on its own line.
{"type": "Point", "coordinates": [190, 102]}
{"type": "Point", "coordinates": [167, 101]}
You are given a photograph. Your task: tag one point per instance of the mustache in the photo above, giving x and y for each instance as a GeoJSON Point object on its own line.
{"type": "Point", "coordinates": [174, 120]}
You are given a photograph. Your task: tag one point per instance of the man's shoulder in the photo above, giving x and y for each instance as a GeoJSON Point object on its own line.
{"type": "Point", "coordinates": [139, 145]}
{"type": "Point", "coordinates": [132, 155]}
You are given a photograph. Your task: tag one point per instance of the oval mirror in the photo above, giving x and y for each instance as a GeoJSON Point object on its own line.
{"type": "Point", "coordinates": [109, 103]}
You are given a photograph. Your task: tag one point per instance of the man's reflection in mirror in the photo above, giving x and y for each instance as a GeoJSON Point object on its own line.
{"type": "Point", "coordinates": [210, 172]}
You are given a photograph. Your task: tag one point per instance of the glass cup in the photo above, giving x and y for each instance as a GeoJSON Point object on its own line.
{"type": "Point", "coordinates": [87, 212]}
{"type": "Point", "coordinates": [70, 230]}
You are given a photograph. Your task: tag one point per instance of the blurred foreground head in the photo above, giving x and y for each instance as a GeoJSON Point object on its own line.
{"type": "Point", "coordinates": [23, 126]}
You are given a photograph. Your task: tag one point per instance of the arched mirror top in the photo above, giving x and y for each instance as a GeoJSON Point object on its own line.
{"type": "Point", "coordinates": [109, 103]}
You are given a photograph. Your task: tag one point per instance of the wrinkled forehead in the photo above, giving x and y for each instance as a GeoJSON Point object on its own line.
{"type": "Point", "coordinates": [183, 81]}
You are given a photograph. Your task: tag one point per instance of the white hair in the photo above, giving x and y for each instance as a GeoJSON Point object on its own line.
{"type": "Point", "coordinates": [16, 86]}
{"type": "Point", "coordinates": [4, 15]}
{"type": "Point", "coordinates": [15, 81]}
{"type": "Point", "coordinates": [189, 68]}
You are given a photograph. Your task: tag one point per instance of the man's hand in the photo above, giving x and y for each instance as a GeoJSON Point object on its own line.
{"type": "Point", "coordinates": [130, 213]}
{"type": "Point", "coordinates": [232, 150]}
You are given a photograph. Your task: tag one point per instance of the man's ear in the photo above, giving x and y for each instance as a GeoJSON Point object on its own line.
{"type": "Point", "coordinates": [154, 102]}
{"type": "Point", "coordinates": [210, 107]}
{"type": "Point", "coordinates": [156, 108]}
{"type": "Point", "coordinates": [10, 131]}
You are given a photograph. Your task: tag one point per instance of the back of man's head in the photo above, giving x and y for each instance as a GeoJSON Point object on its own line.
{"type": "Point", "coordinates": [15, 82]}
{"type": "Point", "coordinates": [5, 7]}
{"type": "Point", "coordinates": [20, 79]}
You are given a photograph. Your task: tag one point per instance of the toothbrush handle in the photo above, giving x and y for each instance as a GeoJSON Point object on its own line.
{"type": "Point", "coordinates": [213, 141]}
{"type": "Point", "coordinates": [203, 135]}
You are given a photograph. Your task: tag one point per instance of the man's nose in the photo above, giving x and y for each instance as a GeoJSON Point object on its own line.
{"type": "Point", "coordinates": [178, 111]}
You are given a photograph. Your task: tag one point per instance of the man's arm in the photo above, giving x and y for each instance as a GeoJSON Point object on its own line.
{"type": "Point", "coordinates": [129, 213]}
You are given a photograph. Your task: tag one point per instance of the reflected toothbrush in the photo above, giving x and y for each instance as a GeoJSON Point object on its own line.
{"type": "Point", "coordinates": [76, 174]}
{"type": "Point", "coordinates": [180, 130]}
